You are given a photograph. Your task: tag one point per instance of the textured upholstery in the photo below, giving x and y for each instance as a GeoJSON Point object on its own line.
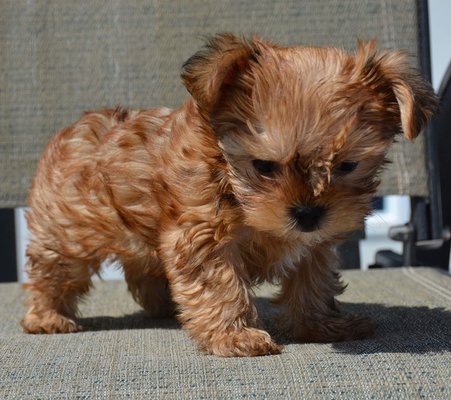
{"type": "Point", "coordinates": [123, 354]}
{"type": "Point", "coordinates": [60, 58]}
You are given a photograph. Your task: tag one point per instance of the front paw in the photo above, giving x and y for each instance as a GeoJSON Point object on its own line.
{"type": "Point", "coordinates": [334, 329]}
{"type": "Point", "coordinates": [49, 322]}
{"type": "Point", "coordinates": [246, 342]}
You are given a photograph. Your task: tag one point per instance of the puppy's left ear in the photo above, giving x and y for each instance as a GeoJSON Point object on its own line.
{"type": "Point", "coordinates": [213, 71]}
{"type": "Point", "coordinates": [415, 97]}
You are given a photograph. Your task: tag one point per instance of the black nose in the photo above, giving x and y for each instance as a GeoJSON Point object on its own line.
{"type": "Point", "coordinates": [308, 218]}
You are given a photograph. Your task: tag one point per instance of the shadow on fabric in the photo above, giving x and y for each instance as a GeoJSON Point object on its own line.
{"type": "Point", "coordinates": [399, 329]}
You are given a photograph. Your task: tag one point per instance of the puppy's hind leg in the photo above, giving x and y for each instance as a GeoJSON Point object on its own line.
{"type": "Point", "coordinates": [148, 285]}
{"type": "Point", "coordinates": [55, 283]}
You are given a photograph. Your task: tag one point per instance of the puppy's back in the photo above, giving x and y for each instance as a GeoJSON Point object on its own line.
{"type": "Point", "coordinates": [72, 204]}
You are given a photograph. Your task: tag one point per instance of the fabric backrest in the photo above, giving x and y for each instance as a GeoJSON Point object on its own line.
{"type": "Point", "coordinates": [59, 58]}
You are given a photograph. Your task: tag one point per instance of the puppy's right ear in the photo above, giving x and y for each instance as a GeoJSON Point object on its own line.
{"type": "Point", "coordinates": [213, 71]}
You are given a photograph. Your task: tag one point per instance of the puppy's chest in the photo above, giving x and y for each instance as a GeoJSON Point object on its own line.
{"type": "Point", "coordinates": [272, 260]}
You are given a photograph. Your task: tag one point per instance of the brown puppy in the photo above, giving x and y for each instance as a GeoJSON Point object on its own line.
{"type": "Point", "coordinates": [258, 176]}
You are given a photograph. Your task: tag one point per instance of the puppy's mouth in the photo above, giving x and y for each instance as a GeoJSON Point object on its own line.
{"type": "Point", "coordinates": [307, 218]}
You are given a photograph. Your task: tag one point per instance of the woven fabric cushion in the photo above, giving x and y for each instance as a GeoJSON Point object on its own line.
{"type": "Point", "coordinates": [123, 354]}
{"type": "Point", "coordinates": [60, 58]}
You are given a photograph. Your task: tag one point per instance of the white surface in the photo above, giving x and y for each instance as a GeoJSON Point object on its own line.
{"type": "Point", "coordinates": [21, 242]}
{"type": "Point", "coordinates": [396, 212]}
{"type": "Point", "coordinates": [440, 35]}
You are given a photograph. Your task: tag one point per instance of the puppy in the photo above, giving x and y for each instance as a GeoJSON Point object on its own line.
{"type": "Point", "coordinates": [269, 164]}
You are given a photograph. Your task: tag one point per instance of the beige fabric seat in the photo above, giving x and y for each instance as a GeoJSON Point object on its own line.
{"type": "Point", "coordinates": [123, 354]}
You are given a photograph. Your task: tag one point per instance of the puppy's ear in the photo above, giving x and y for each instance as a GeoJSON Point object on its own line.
{"type": "Point", "coordinates": [391, 71]}
{"type": "Point", "coordinates": [215, 69]}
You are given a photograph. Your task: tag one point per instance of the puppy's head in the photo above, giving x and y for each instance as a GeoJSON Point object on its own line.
{"type": "Point", "coordinates": [305, 131]}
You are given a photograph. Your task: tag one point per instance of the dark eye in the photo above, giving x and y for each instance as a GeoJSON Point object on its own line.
{"type": "Point", "coordinates": [347, 167]}
{"type": "Point", "coordinates": [265, 168]}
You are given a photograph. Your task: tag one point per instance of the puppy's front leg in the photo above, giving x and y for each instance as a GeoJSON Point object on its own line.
{"type": "Point", "coordinates": [209, 285]}
{"type": "Point", "coordinates": [308, 296]}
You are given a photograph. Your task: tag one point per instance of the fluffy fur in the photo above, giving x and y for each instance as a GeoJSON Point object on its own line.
{"type": "Point", "coordinates": [269, 164]}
